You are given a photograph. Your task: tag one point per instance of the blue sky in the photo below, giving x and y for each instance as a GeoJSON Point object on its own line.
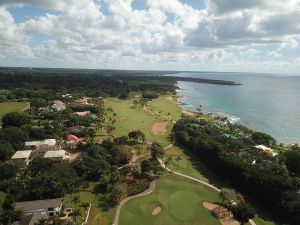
{"type": "Point", "coordinates": [251, 36]}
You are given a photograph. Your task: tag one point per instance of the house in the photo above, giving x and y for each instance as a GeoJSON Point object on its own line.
{"type": "Point", "coordinates": [60, 156]}
{"type": "Point", "coordinates": [266, 149]}
{"type": "Point", "coordinates": [49, 207]}
{"type": "Point", "coordinates": [21, 158]}
{"type": "Point", "coordinates": [73, 138]}
{"type": "Point", "coordinates": [67, 96]}
{"type": "Point", "coordinates": [58, 105]}
{"type": "Point", "coordinates": [32, 219]}
{"type": "Point", "coordinates": [35, 144]}
{"type": "Point", "coordinates": [82, 101]}
{"type": "Point", "coordinates": [100, 142]}
{"type": "Point", "coordinates": [84, 113]}
{"type": "Point", "coordinates": [42, 149]}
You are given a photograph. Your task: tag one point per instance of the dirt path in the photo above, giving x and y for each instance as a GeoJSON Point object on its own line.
{"type": "Point", "coordinates": [196, 180]}
{"type": "Point", "coordinates": [146, 192]}
{"type": "Point", "coordinates": [133, 159]}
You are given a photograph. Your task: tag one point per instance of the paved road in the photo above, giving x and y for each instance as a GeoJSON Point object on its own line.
{"type": "Point", "coordinates": [196, 180]}
{"type": "Point", "coordinates": [146, 192]}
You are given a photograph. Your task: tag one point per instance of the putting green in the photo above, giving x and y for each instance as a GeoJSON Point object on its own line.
{"type": "Point", "coordinates": [184, 205]}
{"type": "Point", "coordinates": [180, 201]}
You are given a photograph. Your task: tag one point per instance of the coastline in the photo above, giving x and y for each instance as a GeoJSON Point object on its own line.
{"type": "Point", "coordinates": [180, 103]}
{"type": "Point", "coordinates": [233, 119]}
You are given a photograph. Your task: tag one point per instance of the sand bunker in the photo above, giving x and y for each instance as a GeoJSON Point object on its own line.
{"type": "Point", "coordinates": [187, 113]}
{"type": "Point", "coordinates": [223, 214]}
{"type": "Point", "coordinates": [169, 98]}
{"type": "Point", "coordinates": [160, 128]}
{"type": "Point", "coordinates": [156, 211]}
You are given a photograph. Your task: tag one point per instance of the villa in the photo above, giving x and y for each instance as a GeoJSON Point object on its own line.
{"type": "Point", "coordinates": [35, 144]}
{"type": "Point", "coordinates": [84, 113]}
{"type": "Point", "coordinates": [266, 149]}
{"type": "Point", "coordinates": [58, 105]}
{"type": "Point", "coordinates": [82, 101]}
{"type": "Point", "coordinates": [49, 207]}
{"type": "Point", "coordinates": [67, 96]}
{"type": "Point", "coordinates": [21, 158]}
{"type": "Point", "coordinates": [59, 157]}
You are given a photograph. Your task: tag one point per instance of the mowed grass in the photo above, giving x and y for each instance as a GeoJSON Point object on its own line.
{"type": "Point", "coordinates": [7, 107]}
{"type": "Point", "coordinates": [184, 162]}
{"type": "Point", "coordinates": [130, 117]}
{"type": "Point", "coordinates": [96, 216]}
{"type": "Point", "coordinates": [180, 201]}
{"type": "Point", "coordinates": [166, 104]}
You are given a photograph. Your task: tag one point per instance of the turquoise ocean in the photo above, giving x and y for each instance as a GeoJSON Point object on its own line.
{"type": "Point", "coordinates": [264, 102]}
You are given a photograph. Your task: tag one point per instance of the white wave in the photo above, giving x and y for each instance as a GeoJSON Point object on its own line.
{"type": "Point", "coordinates": [231, 118]}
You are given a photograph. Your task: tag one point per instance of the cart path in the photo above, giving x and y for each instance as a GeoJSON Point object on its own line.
{"type": "Point", "coordinates": [196, 180]}
{"type": "Point", "coordinates": [150, 189]}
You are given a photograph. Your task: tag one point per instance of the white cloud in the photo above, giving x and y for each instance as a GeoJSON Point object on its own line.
{"type": "Point", "coordinates": [289, 43]}
{"type": "Point", "coordinates": [167, 32]}
{"type": "Point", "coordinates": [274, 54]}
{"type": "Point", "coordinates": [252, 52]}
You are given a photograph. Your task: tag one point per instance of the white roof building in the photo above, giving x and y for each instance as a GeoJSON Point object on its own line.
{"type": "Point", "coordinates": [21, 158]}
{"type": "Point", "coordinates": [262, 147]}
{"type": "Point", "coordinates": [21, 155]}
{"type": "Point", "coordinates": [50, 142]}
{"type": "Point", "coordinates": [266, 149]}
{"type": "Point", "coordinates": [57, 155]}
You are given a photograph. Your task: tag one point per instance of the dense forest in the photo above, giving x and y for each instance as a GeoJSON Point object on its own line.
{"type": "Point", "coordinates": [274, 181]}
{"type": "Point", "coordinates": [20, 84]}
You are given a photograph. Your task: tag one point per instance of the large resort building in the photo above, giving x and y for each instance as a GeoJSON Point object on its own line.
{"type": "Point", "coordinates": [43, 148]}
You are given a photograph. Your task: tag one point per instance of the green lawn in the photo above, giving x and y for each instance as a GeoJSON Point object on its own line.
{"type": "Point", "coordinates": [180, 200]}
{"type": "Point", "coordinates": [97, 216]}
{"type": "Point", "coordinates": [166, 104]}
{"type": "Point", "coordinates": [132, 118]}
{"type": "Point", "coordinates": [189, 166]}
{"type": "Point", "coordinates": [182, 163]}
{"type": "Point", "coordinates": [6, 107]}
{"type": "Point", "coordinates": [138, 211]}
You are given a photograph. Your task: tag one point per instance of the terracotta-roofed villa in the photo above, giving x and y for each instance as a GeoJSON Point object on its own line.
{"type": "Point", "coordinates": [58, 105]}
{"type": "Point", "coordinates": [21, 158]}
{"type": "Point", "coordinates": [84, 113]}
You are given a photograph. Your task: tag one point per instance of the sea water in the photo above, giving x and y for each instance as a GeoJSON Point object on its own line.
{"type": "Point", "coordinates": [264, 102]}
